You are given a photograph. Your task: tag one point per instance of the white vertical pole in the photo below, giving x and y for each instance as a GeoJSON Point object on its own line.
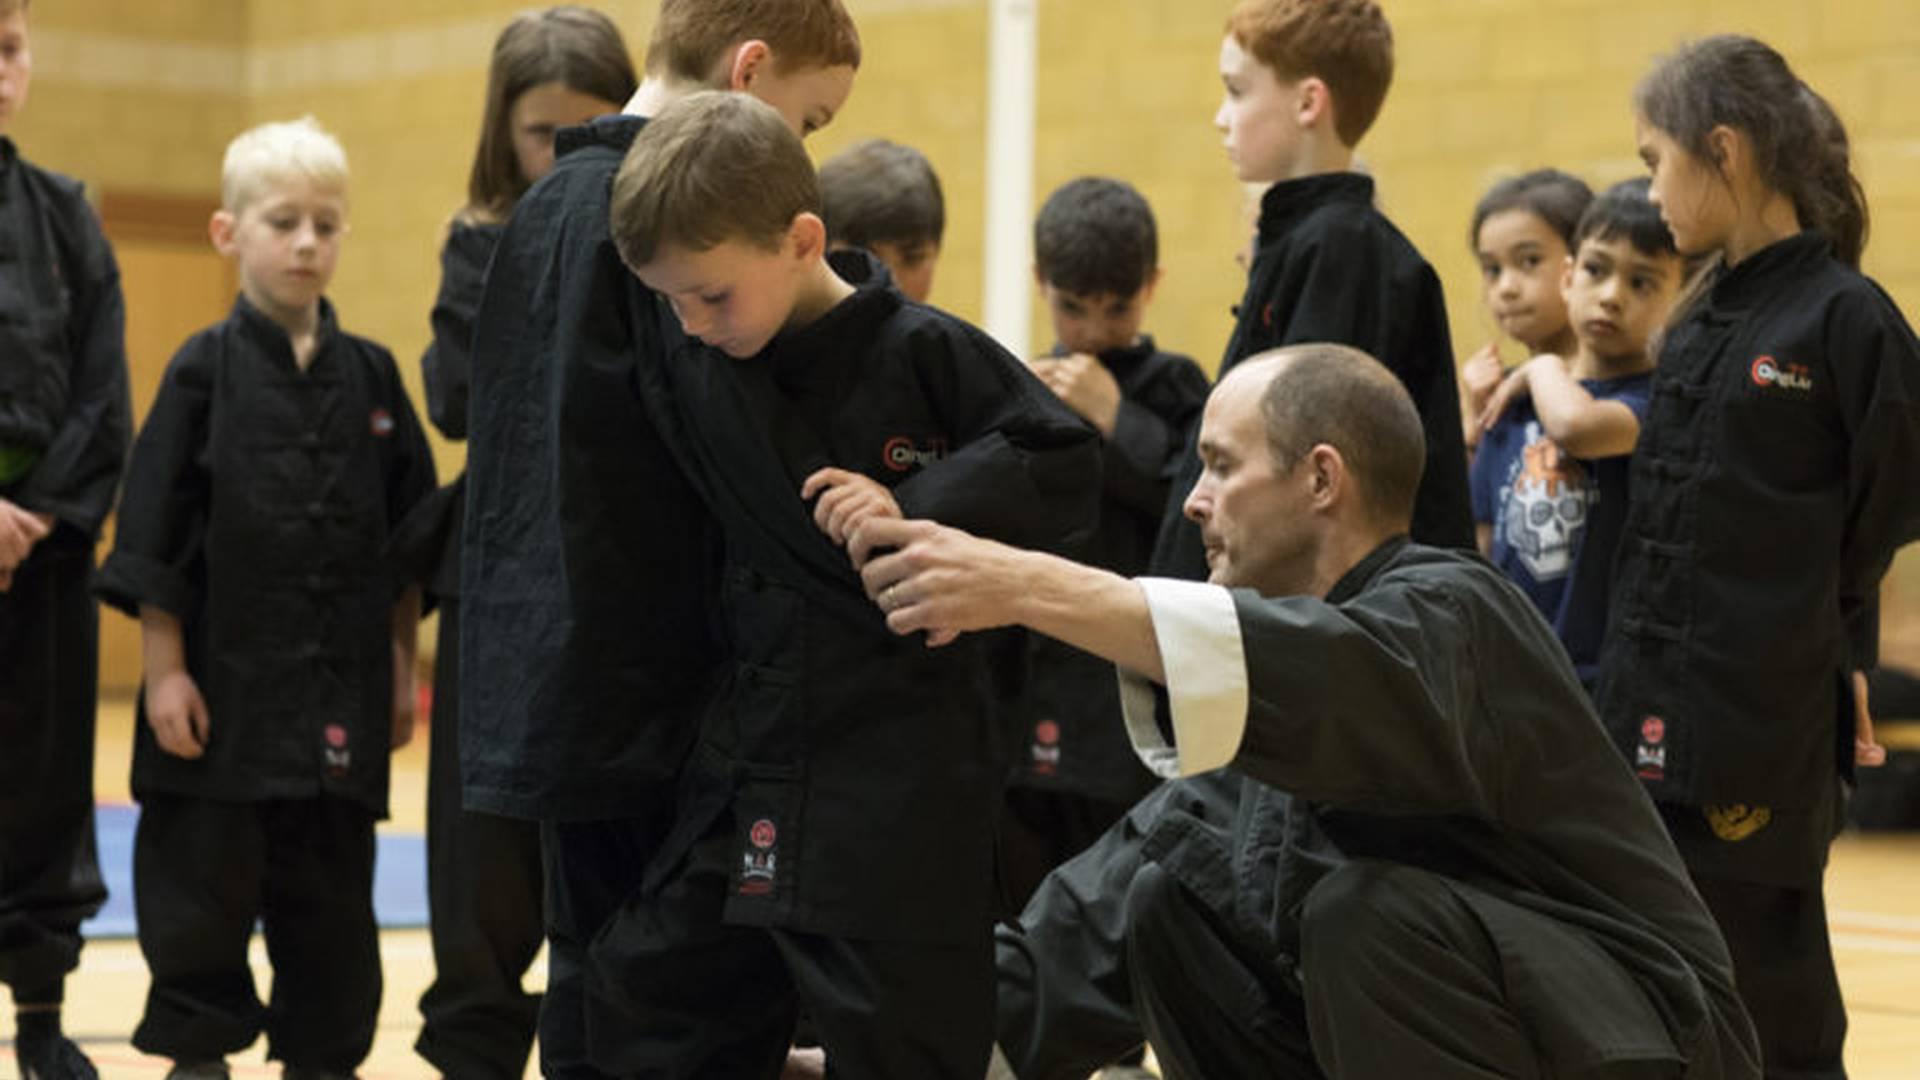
{"type": "Point", "coordinates": [1007, 302]}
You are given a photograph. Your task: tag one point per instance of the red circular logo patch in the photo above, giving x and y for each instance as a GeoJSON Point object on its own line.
{"type": "Point", "coordinates": [336, 736]}
{"type": "Point", "coordinates": [382, 422]}
{"type": "Point", "coordinates": [1763, 370]}
{"type": "Point", "coordinates": [1046, 733]}
{"type": "Point", "coordinates": [762, 834]}
{"type": "Point", "coordinates": [1653, 730]}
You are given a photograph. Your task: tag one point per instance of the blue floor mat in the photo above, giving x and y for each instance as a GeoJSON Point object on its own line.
{"type": "Point", "coordinates": [399, 876]}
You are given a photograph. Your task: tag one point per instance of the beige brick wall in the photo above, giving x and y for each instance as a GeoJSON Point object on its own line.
{"type": "Point", "coordinates": [1126, 88]}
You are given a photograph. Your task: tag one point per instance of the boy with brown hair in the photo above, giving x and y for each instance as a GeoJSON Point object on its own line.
{"type": "Point", "coordinates": [885, 197]}
{"type": "Point", "coordinates": [586, 558]}
{"type": "Point", "coordinates": [64, 426]}
{"type": "Point", "coordinates": [1304, 81]}
{"type": "Point", "coordinates": [834, 843]}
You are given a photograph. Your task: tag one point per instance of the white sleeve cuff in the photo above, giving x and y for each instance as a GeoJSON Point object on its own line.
{"type": "Point", "coordinates": [1198, 630]}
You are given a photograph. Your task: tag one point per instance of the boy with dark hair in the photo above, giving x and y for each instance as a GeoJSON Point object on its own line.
{"type": "Point", "coordinates": [1304, 80]}
{"type": "Point", "coordinates": [586, 557]}
{"type": "Point", "coordinates": [1550, 481]}
{"type": "Point", "coordinates": [834, 841]}
{"type": "Point", "coordinates": [1097, 260]}
{"type": "Point", "coordinates": [886, 198]}
{"type": "Point", "coordinates": [278, 637]}
{"type": "Point", "coordinates": [63, 435]}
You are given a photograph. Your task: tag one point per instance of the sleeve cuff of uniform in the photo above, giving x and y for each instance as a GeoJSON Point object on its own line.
{"type": "Point", "coordinates": [1198, 629]}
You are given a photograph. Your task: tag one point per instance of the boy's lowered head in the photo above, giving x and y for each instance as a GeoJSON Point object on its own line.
{"type": "Point", "coordinates": [283, 212]}
{"type": "Point", "coordinates": [1621, 282]}
{"type": "Point", "coordinates": [16, 61]}
{"type": "Point", "coordinates": [1305, 79]}
{"type": "Point", "coordinates": [717, 208]}
{"type": "Point", "coordinates": [798, 56]}
{"type": "Point", "coordinates": [1097, 259]}
{"type": "Point", "coordinates": [886, 198]}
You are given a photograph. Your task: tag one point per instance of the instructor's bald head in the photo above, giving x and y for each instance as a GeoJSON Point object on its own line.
{"type": "Point", "coordinates": [1343, 398]}
{"type": "Point", "coordinates": [1311, 455]}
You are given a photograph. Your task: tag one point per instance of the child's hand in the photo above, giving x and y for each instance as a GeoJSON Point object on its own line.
{"type": "Point", "coordinates": [1866, 752]}
{"type": "Point", "coordinates": [1512, 388]}
{"type": "Point", "coordinates": [1085, 385]}
{"type": "Point", "coordinates": [402, 696]}
{"type": "Point", "coordinates": [19, 531]}
{"type": "Point", "coordinates": [1479, 377]}
{"type": "Point", "coordinates": [849, 499]}
{"type": "Point", "coordinates": [178, 715]}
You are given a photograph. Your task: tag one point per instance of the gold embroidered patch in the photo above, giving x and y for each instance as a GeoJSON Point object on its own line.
{"type": "Point", "coordinates": [1734, 822]}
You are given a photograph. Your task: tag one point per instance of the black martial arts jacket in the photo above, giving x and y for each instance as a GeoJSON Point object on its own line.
{"type": "Point", "coordinates": [1329, 267]}
{"type": "Point", "coordinates": [587, 562]}
{"type": "Point", "coordinates": [259, 503]}
{"type": "Point", "coordinates": [64, 412]}
{"type": "Point", "coordinates": [430, 540]}
{"type": "Point", "coordinates": [1066, 739]}
{"type": "Point", "coordinates": [1778, 469]}
{"type": "Point", "coordinates": [1424, 713]}
{"type": "Point", "coordinates": [861, 770]}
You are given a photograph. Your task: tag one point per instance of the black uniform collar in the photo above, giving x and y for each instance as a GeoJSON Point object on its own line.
{"type": "Point", "coordinates": [8, 155]}
{"type": "Point", "coordinates": [1286, 202]}
{"type": "Point", "coordinates": [273, 337]}
{"type": "Point", "coordinates": [1366, 569]}
{"type": "Point", "coordinates": [1757, 276]}
{"type": "Point", "coordinates": [615, 132]}
{"type": "Point", "coordinates": [798, 354]}
{"type": "Point", "coordinates": [1135, 353]}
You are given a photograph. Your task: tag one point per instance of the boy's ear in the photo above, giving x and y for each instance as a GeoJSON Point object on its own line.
{"type": "Point", "coordinates": [220, 229]}
{"type": "Point", "coordinates": [748, 61]}
{"type": "Point", "coordinates": [1152, 283]}
{"type": "Point", "coordinates": [1314, 105]}
{"type": "Point", "coordinates": [808, 235]}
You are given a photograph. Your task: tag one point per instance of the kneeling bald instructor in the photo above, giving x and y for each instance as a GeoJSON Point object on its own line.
{"type": "Point", "coordinates": [1469, 880]}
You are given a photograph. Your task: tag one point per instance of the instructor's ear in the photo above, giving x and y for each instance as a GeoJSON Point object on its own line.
{"type": "Point", "coordinates": [1327, 475]}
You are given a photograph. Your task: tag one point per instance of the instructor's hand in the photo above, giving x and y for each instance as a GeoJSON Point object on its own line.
{"type": "Point", "coordinates": [937, 579]}
{"type": "Point", "coordinates": [178, 715]}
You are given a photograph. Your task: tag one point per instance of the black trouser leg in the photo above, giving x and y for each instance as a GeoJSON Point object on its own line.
{"type": "Point", "coordinates": [1783, 967]}
{"type": "Point", "coordinates": [1065, 996]}
{"type": "Point", "coordinates": [317, 914]}
{"type": "Point", "coordinates": [197, 878]}
{"type": "Point", "coordinates": [1040, 829]}
{"type": "Point", "coordinates": [892, 1009]}
{"type": "Point", "coordinates": [484, 906]}
{"type": "Point", "coordinates": [591, 869]}
{"type": "Point", "coordinates": [1408, 973]}
{"type": "Point", "coordinates": [49, 869]}
{"type": "Point", "coordinates": [1209, 1009]}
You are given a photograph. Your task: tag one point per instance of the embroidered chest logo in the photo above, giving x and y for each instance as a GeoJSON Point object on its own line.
{"type": "Point", "coordinates": [1781, 375]}
{"type": "Point", "coordinates": [381, 421]}
{"type": "Point", "coordinates": [1650, 757]}
{"type": "Point", "coordinates": [902, 454]}
{"type": "Point", "coordinates": [759, 862]}
{"type": "Point", "coordinates": [1046, 748]}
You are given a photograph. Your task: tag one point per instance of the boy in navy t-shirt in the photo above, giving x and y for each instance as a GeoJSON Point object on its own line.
{"type": "Point", "coordinates": [1550, 480]}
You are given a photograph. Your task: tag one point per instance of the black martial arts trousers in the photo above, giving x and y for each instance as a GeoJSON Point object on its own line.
{"type": "Point", "coordinates": [483, 905]}
{"type": "Point", "coordinates": [1040, 828]}
{"type": "Point", "coordinates": [591, 869]}
{"type": "Point", "coordinates": [708, 999]}
{"type": "Point", "coordinates": [49, 869]}
{"type": "Point", "coordinates": [203, 872]}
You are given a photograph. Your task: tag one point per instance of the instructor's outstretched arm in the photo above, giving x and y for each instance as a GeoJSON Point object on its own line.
{"type": "Point", "coordinates": [927, 576]}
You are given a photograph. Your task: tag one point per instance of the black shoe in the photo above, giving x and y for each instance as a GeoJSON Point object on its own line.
{"type": "Point", "coordinates": [52, 1058]}
{"type": "Point", "coordinates": [199, 1070]}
